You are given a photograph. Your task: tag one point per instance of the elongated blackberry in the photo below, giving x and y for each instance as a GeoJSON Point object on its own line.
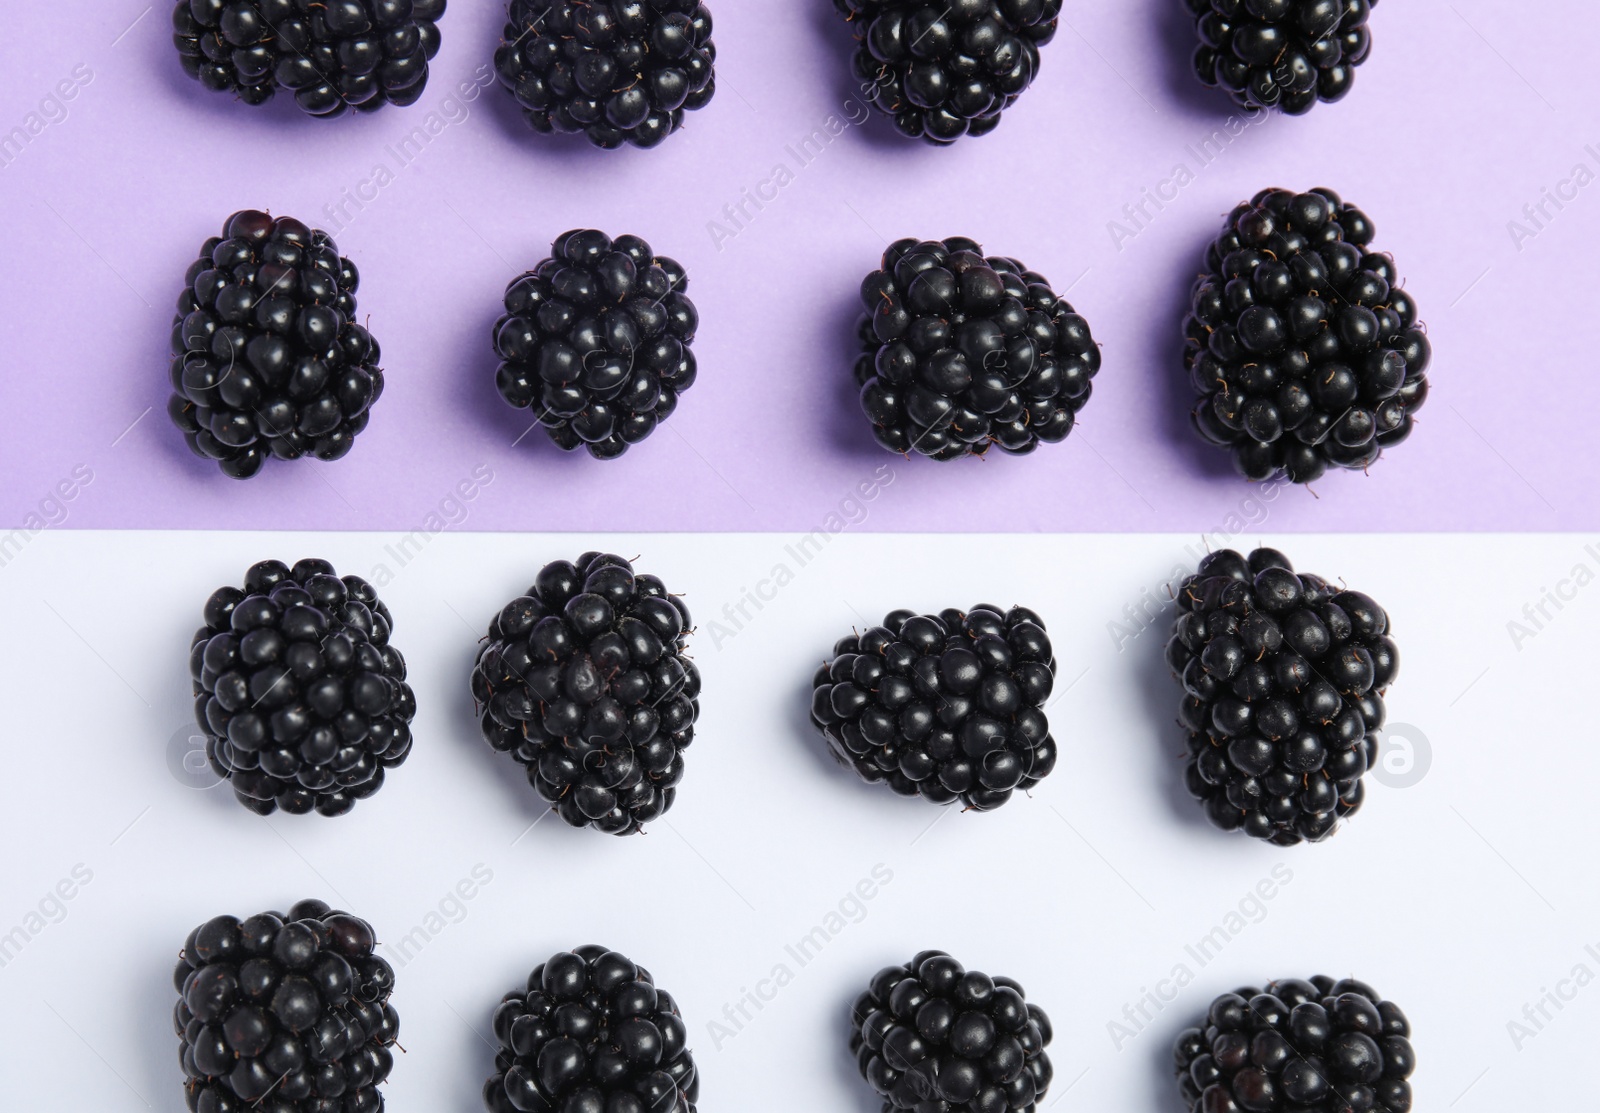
{"type": "Point", "coordinates": [302, 699]}
{"type": "Point", "coordinates": [1320, 1045]}
{"type": "Point", "coordinates": [284, 1012]}
{"type": "Point", "coordinates": [591, 1031]}
{"type": "Point", "coordinates": [584, 680]}
{"type": "Point", "coordinates": [1283, 678]}
{"type": "Point", "coordinates": [1286, 54]}
{"type": "Point", "coordinates": [620, 71]}
{"type": "Point", "coordinates": [1304, 349]}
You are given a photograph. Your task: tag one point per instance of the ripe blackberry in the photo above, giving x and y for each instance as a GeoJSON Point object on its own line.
{"type": "Point", "coordinates": [1284, 678]}
{"type": "Point", "coordinates": [584, 680]}
{"type": "Point", "coordinates": [1302, 346]}
{"type": "Point", "coordinates": [266, 356]}
{"type": "Point", "coordinates": [1285, 54]}
{"type": "Point", "coordinates": [941, 71]}
{"type": "Point", "coordinates": [960, 352]}
{"type": "Point", "coordinates": [598, 339]}
{"type": "Point", "coordinates": [287, 1013]}
{"type": "Point", "coordinates": [1319, 1046]}
{"type": "Point", "coordinates": [591, 1032]}
{"type": "Point", "coordinates": [302, 698]}
{"type": "Point", "coordinates": [942, 706]}
{"type": "Point", "coordinates": [620, 71]}
{"type": "Point", "coordinates": [333, 55]}
{"type": "Point", "coordinates": [931, 1035]}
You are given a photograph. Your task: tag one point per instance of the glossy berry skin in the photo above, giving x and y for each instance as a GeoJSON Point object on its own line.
{"type": "Point", "coordinates": [591, 1033]}
{"type": "Point", "coordinates": [1286, 54]}
{"type": "Point", "coordinates": [332, 55]}
{"type": "Point", "coordinates": [932, 1035]}
{"type": "Point", "coordinates": [597, 341]}
{"type": "Point", "coordinates": [944, 70]}
{"type": "Point", "coordinates": [1305, 351]}
{"type": "Point", "coordinates": [942, 706]}
{"type": "Point", "coordinates": [619, 71]}
{"type": "Point", "coordinates": [1317, 1046]}
{"type": "Point", "coordinates": [961, 352]}
{"type": "Point", "coordinates": [302, 699]}
{"type": "Point", "coordinates": [1283, 678]}
{"type": "Point", "coordinates": [284, 1012]}
{"type": "Point", "coordinates": [584, 680]}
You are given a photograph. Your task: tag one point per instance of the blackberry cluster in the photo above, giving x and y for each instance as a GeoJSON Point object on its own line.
{"type": "Point", "coordinates": [960, 352]}
{"type": "Point", "coordinates": [944, 70]}
{"type": "Point", "coordinates": [267, 359]}
{"type": "Point", "coordinates": [1285, 54]}
{"type": "Point", "coordinates": [620, 71]}
{"type": "Point", "coordinates": [333, 55]}
{"type": "Point", "coordinates": [597, 338]}
{"type": "Point", "coordinates": [1317, 1046]}
{"type": "Point", "coordinates": [302, 699]}
{"type": "Point", "coordinates": [584, 680]}
{"type": "Point", "coordinates": [1305, 351]}
{"type": "Point", "coordinates": [1283, 679]}
{"type": "Point", "coordinates": [591, 1032]}
{"type": "Point", "coordinates": [933, 1036]}
{"type": "Point", "coordinates": [284, 1014]}
{"type": "Point", "coordinates": [942, 706]}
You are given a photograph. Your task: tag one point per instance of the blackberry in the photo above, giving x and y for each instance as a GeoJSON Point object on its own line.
{"type": "Point", "coordinates": [942, 706]}
{"type": "Point", "coordinates": [960, 352]}
{"type": "Point", "coordinates": [333, 55]}
{"type": "Point", "coordinates": [591, 1031]}
{"type": "Point", "coordinates": [302, 699]}
{"type": "Point", "coordinates": [941, 71]}
{"type": "Point", "coordinates": [1304, 349]}
{"type": "Point", "coordinates": [597, 338]}
{"type": "Point", "coordinates": [267, 359]}
{"type": "Point", "coordinates": [1286, 54]}
{"type": "Point", "coordinates": [620, 71]}
{"type": "Point", "coordinates": [287, 1013]}
{"type": "Point", "coordinates": [1283, 678]}
{"type": "Point", "coordinates": [1320, 1046]}
{"type": "Point", "coordinates": [584, 681]}
{"type": "Point", "coordinates": [931, 1035]}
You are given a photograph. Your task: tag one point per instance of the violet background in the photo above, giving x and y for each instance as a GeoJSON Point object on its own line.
{"type": "Point", "coordinates": [1465, 112]}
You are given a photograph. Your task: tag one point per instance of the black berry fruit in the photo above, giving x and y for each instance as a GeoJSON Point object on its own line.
{"type": "Point", "coordinates": [267, 359]}
{"type": "Point", "coordinates": [332, 55]}
{"type": "Point", "coordinates": [591, 1032]}
{"type": "Point", "coordinates": [942, 706]}
{"type": "Point", "coordinates": [1304, 349]}
{"type": "Point", "coordinates": [585, 681]}
{"type": "Point", "coordinates": [596, 340]}
{"type": "Point", "coordinates": [284, 1013]}
{"type": "Point", "coordinates": [1317, 1046]}
{"type": "Point", "coordinates": [1285, 54]}
{"type": "Point", "coordinates": [941, 71]}
{"type": "Point", "coordinates": [960, 352]}
{"type": "Point", "coordinates": [620, 71]}
{"type": "Point", "coordinates": [931, 1035]}
{"type": "Point", "coordinates": [302, 698]}
{"type": "Point", "coordinates": [1283, 678]}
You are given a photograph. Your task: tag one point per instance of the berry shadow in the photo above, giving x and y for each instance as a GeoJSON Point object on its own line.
{"type": "Point", "coordinates": [847, 429]}
{"type": "Point", "coordinates": [280, 112]}
{"type": "Point", "coordinates": [841, 778]}
{"type": "Point", "coordinates": [153, 1001]}
{"type": "Point", "coordinates": [840, 1029]}
{"type": "Point", "coordinates": [834, 35]}
{"type": "Point", "coordinates": [1175, 30]}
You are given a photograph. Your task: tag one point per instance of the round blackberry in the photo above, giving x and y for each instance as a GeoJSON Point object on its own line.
{"type": "Point", "coordinates": [302, 699]}
{"type": "Point", "coordinates": [591, 1032]}
{"type": "Point", "coordinates": [942, 706]}
{"type": "Point", "coordinates": [597, 338]}
{"type": "Point", "coordinates": [333, 55]}
{"type": "Point", "coordinates": [1303, 347]}
{"type": "Point", "coordinates": [287, 1013]}
{"type": "Point", "coordinates": [620, 71]}
{"type": "Point", "coordinates": [585, 681]}
{"type": "Point", "coordinates": [267, 359]}
{"type": "Point", "coordinates": [960, 352]}
{"type": "Point", "coordinates": [1283, 678]}
{"type": "Point", "coordinates": [1317, 1046]}
{"type": "Point", "coordinates": [931, 1035]}
{"type": "Point", "coordinates": [1286, 54]}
